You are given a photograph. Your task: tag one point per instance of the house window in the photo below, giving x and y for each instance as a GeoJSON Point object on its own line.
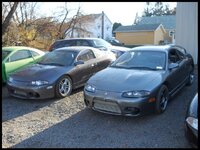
{"type": "Point", "coordinates": [171, 33]}
{"type": "Point", "coordinates": [108, 28]}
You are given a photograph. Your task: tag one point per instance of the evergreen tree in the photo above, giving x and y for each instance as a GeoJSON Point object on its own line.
{"type": "Point", "coordinates": [157, 9]}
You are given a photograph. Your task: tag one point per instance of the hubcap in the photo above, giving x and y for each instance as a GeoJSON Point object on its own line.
{"type": "Point", "coordinates": [191, 78]}
{"type": "Point", "coordinates": [163, 103]}
{"type": "Point", "coordinates": [64, 87]}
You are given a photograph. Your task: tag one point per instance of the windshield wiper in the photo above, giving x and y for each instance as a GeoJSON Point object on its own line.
{"type": "Point", "coordinates": [118, 67]}
{"type": "Point", "coordinates": [148, 68]}
{"type": "Point", "coordinates": [54, 64]}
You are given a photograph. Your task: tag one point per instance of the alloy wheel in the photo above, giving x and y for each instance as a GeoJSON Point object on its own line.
{"type": "Point", "coordinates": [163, 102]}
{"type": "Point", "coordinates": [64, 87]}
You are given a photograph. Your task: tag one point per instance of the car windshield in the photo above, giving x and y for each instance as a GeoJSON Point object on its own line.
{"type": "Point", "coordinates": [101, 43]}
{"type": "Point", "coordinates": [150, 60]}
{"type": "Point", "coordinates": [58, 58]}
{"type": "Point", "coordinates": [5, 54]}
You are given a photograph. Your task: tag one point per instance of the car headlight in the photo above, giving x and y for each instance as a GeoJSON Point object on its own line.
{"type": "Point", "coordinates": [136, 93]}
{"type": "Point", "coordinates": [193, 122]}
{"type": "Point", "coordinates": [10, 79]}
{"type": "Point", "coordinates": [90, 88]}
{"type": "Point", "coordinates": [39, 82]}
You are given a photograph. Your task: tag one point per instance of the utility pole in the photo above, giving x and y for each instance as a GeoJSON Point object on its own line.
{"type": "Point", "coordinates": [102, 34]}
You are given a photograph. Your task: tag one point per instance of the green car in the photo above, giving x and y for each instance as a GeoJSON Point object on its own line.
{"type": "Point", "coordinates": [16, 57]}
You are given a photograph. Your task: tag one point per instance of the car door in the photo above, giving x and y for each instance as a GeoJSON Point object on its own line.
{"type": "Point", "coordinates": [176, 75]}
{"type": "Point", "coordinates": [17, 60]}
{"type": "Point", "coordinates": [83, 71]}
{"type": "Point", "coordinates": [101, 60]}
{"type": "Point", "coordinates": [186, 62]}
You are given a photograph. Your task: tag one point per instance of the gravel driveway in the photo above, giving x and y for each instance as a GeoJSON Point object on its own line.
{"type": "Point", "coordinates": [66, 123]}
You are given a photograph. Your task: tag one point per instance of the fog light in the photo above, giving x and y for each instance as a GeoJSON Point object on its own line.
{"type": "Point", "coordinates": [152, 99]}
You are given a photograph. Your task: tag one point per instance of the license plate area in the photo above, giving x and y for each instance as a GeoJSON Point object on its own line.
{"type": "Point", "coordinates": [107, 106]}
{"type": "Point", "coordinates": [18, 92]}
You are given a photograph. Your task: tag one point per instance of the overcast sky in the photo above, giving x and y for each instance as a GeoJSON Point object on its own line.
{"type": "Point", "coordinates": [121, 12]}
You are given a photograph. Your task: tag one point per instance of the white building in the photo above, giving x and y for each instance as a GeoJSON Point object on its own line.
{"type": "Point", "coordinates": [93, 25]}
{"type": "Point", "coordinates": [187, 27]}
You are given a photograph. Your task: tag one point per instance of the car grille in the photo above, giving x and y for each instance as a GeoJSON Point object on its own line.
{"type": "Point", "coordinates": [107, 106]}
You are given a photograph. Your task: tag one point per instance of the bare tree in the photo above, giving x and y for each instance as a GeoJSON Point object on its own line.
{"type": "Point", "coordinates": [67, 23]}
{"type": "Point", "coordinates": [6, 22]}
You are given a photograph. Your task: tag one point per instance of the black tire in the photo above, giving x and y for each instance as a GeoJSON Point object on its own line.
{"type": "Point", "coordinates": [63, 87]}
{"type": "Point", "coordinates": [162, 99]}
{"type": "Point", "coordinates": [191, 77]}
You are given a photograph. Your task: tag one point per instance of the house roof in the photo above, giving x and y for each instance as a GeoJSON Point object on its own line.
{"type": "Point", "coordinates": [141, 27]}
{"type": "Point", "coordinates": [168, 21]}
{"type": "Point", "coordinates": [89, 17]}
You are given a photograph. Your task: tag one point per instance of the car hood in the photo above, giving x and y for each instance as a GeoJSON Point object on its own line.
{"type": "Point", "coordinates": [120, 48]}
{"type": "Point", "coordinates": [120, 80]}
{"type": "Point", "coordinates": [40, 72]}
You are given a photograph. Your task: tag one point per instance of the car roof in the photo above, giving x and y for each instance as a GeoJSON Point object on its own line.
{"type": "Point", "coordinates": [80, 39]}
{"type": "Point", "coordinates": [75, 48]}
{"type": "Point", "coordinates": [163, 48]}
{"type": "Point", "coordinates": [13, 48]}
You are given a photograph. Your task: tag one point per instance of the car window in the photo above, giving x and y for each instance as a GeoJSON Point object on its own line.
{"type": "Point", "coordinates": [21, 54]}
{"type": "Point", "coordinates": [82, 43]}
{"type": "Point", "coordinates": [181, 49]}
{"type": "Point", "coordinates": [5, 54]}
{"type": "Point", "coordinates": [34, 53]}
{"type": "Point", "coordinates": [100, 43]}
{"type": "Point", "coordinates": [64, 43]}
{"type": "Point", "coordinates": [58, 58]}
{"type": "Point", "coordinates": [180, 54]}
{"type": "Point", "coordinates": [86, 55]}
{"type": "Point", "coordinates": [173, 56]}
{"type": "Point", "coordinates": [141, 60]}
{"type": "Point", "coordinates": [90, 54]}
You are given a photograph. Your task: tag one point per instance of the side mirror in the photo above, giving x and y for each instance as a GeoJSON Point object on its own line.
{"type": "Point", "coordinates": [103, 48]}
{"type": "Point", "coordinates": [173, 65]}
{"type": "Point", "coordinates": [78, 62]}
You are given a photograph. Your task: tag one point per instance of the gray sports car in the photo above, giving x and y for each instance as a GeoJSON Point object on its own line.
{"type": "Point", "coordinates": [141, 80]}
{"type": "Point", "coordinates": [58, 72]}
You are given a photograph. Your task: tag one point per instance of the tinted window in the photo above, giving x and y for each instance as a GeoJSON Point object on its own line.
{"type": "Point", "coordinates": [58, 58]}
{"type": "Point", "coordinates": [180, 54]}
{"type": "Point", "coordinates": [64, 43]}
{"type": "Point", "coordinates": [22, 54]}
{"type": "Point", "coordinates": [100, 43]}
{"type": "Point", "coordinates": [141, 60]}
{"type": "Point", "coordinates": [90, 54]}
{"type": "Point", "coordinates": [173, 56]}
{"type": "Point", "coordinates": [34, 53]}
{"type": "Point", "coordinates": [86, 55]}
{"type": "Point", "coordinates": [5, 54]}
{"type": "Point", "coordinates": [82, 43]}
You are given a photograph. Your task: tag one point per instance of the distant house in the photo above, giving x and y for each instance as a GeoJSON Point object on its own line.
{"type": "Point", "coordinates": [168, 22]}
{"type": "Point", "coordinates": [140, 34]}
{"type": "Point", "coordinates": [93, 25]}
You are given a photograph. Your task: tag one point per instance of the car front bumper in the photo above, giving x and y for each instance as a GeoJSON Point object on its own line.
{"type": "Point", "coordinates": [192, 135]}
{"type": "Point", "coordinates": [114, 103]}
{"type": "Point", "coordinates": [31, 92]}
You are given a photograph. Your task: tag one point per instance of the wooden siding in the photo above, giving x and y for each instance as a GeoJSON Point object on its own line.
{"type": "Point", "coordinates": [136, 38]}
{"type": "Point", "coordinates": [158, 36]}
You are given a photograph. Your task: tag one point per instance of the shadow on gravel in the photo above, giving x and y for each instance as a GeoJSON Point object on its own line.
{"type": "Point", "coordinates": [90, 129]}
{"type": "Point", "coordinates": [9, 104]}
